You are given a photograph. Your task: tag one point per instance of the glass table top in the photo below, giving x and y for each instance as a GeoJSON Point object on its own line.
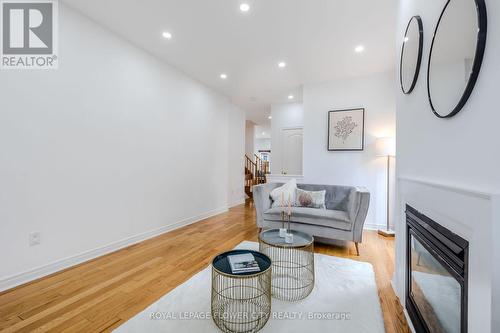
{"type": "Point", "coordinates": [272, 237]}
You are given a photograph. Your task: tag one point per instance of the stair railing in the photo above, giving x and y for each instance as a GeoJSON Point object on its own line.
{"type": "Point", "coordinates": [255, 172]}
{"type": "Point", "coordinates": [250, 172]}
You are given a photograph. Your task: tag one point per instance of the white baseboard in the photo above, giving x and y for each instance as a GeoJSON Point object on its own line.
{"type": "Point", "coordinates": [373, 226]}
{"type": "Point", "coordinates": [237, 203]}
{"type": "Point", "coordinates": [39, 272]}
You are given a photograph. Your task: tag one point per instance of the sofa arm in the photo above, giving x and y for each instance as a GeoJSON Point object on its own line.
{"type": "Point", "coordinates": [359, 202]}
{"type": "Point", "coordinates": [262, 200]}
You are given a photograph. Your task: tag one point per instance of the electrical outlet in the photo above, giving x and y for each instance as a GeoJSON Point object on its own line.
{"type": "Point", "coordinates": [35, 238]}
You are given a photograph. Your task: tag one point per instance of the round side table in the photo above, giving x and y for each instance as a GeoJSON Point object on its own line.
{"type": "Point", "coordinates": [293, 264]}
{"type": "Point", "coordinates": [241, 302]}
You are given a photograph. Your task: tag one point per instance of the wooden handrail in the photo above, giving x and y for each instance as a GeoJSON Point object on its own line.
{"type": "Point", "coordinates": [249, 164]}
{"type": "Point", "coordinates": [255, 172]}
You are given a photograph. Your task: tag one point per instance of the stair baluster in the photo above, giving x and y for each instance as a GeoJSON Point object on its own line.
{"type": "Point", "coordinates": [255, 173]}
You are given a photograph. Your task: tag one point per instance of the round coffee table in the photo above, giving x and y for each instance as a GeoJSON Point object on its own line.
{"type": "Point", "coordinates": [293, 264]}
{"type": "Point", "coordinates": [241, 302]}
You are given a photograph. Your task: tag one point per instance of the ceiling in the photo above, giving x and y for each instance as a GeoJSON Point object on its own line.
{"type": "Point", "coordinates": [316, 39]}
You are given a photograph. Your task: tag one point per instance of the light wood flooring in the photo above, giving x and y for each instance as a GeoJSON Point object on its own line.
{"type": "Point", "coordinates": [100, 295]}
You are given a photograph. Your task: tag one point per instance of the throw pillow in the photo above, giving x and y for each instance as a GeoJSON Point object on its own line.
{"type": "Point", "coordinates": [311, 199]}
{"type": "Point", "coordinates": [281, 195]}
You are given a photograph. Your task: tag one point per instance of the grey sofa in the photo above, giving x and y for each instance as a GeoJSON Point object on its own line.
{"type": "Point", "coordinates": [343, 218]}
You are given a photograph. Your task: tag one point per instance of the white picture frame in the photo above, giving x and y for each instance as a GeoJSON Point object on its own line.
{"type": "Point", "coordinates": [346, 130]}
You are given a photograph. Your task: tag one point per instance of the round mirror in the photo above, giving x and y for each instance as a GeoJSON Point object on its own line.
{"type": "Point", "coordinates": [456, 55]}
{"type": "Point", "coordinates": [411, 54]}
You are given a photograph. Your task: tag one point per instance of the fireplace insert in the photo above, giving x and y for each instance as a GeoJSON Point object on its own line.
{"type": "Point", "coordinates": [436, 279]}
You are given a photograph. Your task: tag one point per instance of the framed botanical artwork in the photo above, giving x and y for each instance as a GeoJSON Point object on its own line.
{"type": "Point", "coordinates": [346, 130]}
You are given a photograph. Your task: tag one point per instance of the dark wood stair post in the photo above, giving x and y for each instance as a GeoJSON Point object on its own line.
{"type": "Point", "coordinates": [255, 173]}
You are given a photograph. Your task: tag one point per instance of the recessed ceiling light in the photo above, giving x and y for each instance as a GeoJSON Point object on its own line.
{"type": "Point", "coordinates": [263, 133]}
{"type": "Point", "coordinates": [290, 96]}
{"type": "Point", "coordinates": [270, 117]}
{"type": "Point", "coordinates": [406, 39]}
{"type": "Point", "coordinates": [167, 35]}
{"type": "Point", "coordinates": [359, 49]}
{"type": "Point", "coordinates": [244, 7]}
{"type": "Point", "coordinates": [282, 64]}
{"type": "Point", "coordinates": [223, 76]}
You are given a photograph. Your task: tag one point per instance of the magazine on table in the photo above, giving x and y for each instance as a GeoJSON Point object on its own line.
{"type": "Point", "coordinates": [243, 263]}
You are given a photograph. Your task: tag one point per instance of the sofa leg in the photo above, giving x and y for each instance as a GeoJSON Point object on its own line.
{"type": "Point", "coordinates": [260, 230]}
{"type": "Point", "coordinates": [357, 248]}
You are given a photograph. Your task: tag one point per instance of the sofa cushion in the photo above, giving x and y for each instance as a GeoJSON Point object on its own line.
{"type": "Point", "coordinates": [284, 195]}
{"type": "Point", "coordinates": [322, 217]}
{"type": "Point", "coordinates": [337, 197]}
{"type": "Point", "coordinates": [311, 199]}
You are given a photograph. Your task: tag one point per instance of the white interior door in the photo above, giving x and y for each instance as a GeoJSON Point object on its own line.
{"type": "Point", "coordinates": [291, 163]}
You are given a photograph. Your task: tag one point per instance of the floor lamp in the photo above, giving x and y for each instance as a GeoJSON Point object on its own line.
{"type": "Point", "coordinates": [386, 147]}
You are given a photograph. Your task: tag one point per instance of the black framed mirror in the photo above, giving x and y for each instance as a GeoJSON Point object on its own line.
{"type": "Point", "coordinates": [456, 55]}
{"type": "Point", "coordinates": [411, 54]}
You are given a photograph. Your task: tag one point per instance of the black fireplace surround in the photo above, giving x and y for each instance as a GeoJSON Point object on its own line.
{"type": "Point", "coordinates": [437, 273]}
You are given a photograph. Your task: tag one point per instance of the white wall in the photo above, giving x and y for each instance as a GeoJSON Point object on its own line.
{"type": "Point", "coordinates": [461, 152]}
{"type": "Point", "coordinates": [113, 147]}
{"type": "Point", "coordinates": [495, 230]}
{"type": "Point", "coordinates": [236, 158]}
{"type": "Point", "coordinates": [249, 139]}
{"type": "Point", "coordinates": [287, 115]}
{"type": "Point", "coordinates": [374, 93]}
{"type": "Point", "coordinates": [262, 144]}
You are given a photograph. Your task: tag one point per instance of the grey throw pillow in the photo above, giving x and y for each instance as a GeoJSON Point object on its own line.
{"type": "Point", "coordinates": [311, 199]}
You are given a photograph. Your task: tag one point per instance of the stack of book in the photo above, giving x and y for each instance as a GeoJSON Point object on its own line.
{"type": "Point", "coordinates": [243, 263]}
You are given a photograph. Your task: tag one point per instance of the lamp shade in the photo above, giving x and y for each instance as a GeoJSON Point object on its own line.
{"type": "Point", "coordinates": [385, 146]}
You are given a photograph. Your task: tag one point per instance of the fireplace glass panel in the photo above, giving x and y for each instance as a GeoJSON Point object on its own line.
{"type": "Point", "coordinates": [435, 292]}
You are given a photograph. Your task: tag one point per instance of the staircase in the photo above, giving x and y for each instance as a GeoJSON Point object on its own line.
{"type": "Point", "coordinates": [255, 173]}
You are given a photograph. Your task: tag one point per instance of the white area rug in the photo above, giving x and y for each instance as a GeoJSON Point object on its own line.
{"type": "Point", "coordinates": [344, 299]}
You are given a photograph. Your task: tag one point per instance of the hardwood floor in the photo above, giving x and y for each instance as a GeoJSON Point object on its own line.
{"type": "Point", "coordinates": [101, 294]}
